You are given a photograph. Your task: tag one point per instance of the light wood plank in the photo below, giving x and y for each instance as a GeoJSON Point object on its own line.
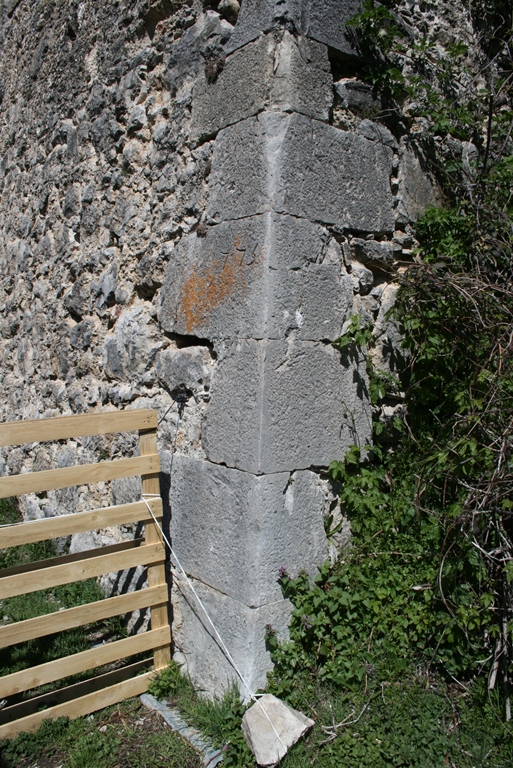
{"type": "Point", "coordinates": [63, 427]}
{"type": "Point", "coordinates": [47, 480]}
{"type": "Point", "coordinates": [19, 584]}
{"type": "Point", "coordinates": [40, 626]}
{"type": "Point", "coordinates": [157, 572]}
{"type": "Point", "coordinates": [64, 525]}
{"type": "Point", "coordinates": [58, 669]}
{"type": "Point", "coordinates": [50, 562]}
{"type": "Point", "coordinates": [76, 690]}
{"type": "Point", "coordinates": [80, 707]}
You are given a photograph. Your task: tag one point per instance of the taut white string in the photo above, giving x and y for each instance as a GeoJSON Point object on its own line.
{"type": "Point", "coordinates": [225, 650]}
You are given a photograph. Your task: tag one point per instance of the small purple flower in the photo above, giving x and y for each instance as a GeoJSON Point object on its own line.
{"type": "Point", "coordinates": [282, 572]}
{"type": "Point", "coordinates": [269, 630]}
{"type": "Point", "coordinates": [306, 622]}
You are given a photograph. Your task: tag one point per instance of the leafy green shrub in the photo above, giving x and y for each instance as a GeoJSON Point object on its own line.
{"type": "Point", "coordinates": [415, 620]}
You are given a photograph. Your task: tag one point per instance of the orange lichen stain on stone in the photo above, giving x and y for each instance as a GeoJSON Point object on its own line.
{"type": "Point", "coordinates": [209, 285]}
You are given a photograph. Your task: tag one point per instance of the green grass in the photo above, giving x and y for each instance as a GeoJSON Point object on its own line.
{"type": "Point", "coordinates": [22, 607]}
{"type": "Point", "coordinates": [415, 720]}
{"type": "Point", "coordinates": [126, 736]}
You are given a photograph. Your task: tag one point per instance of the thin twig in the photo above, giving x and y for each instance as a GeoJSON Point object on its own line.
{"type": "Point", "coordinates": [332, 729]}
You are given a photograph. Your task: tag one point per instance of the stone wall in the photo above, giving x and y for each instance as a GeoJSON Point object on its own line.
{"type": "Point", "coordinates": [190, 213]}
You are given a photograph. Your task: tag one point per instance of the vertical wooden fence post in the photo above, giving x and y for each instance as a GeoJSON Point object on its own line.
{"type": "Point", "coordinates": [156, 573]}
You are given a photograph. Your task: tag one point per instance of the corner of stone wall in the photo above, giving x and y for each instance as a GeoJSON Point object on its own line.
{"type": "Point", "coordinates": [191, 213]}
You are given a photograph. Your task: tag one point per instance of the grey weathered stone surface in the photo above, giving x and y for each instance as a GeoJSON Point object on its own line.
{"type": "Point", "coordinates": [120, 284]}
{"type": "Point", "coordinates": [242, 630]}
{"type": "Point", "coordinates": [388, 353]}
{"type": "Point", "coordinates": [223, 102]}
{"type": "Point", "coordinates": [416, 189]}
{"type": "Point", "coordinates": [373, 252]}
{"type": "Point", "coordinates": [266, 73]}
{"type": "Point", "coordinates": [261, 277]}
{"type": "Point", "coordinates": [326, 22]}
{"type": "Point", "coordinates": [376, 132]}
{"type": "Point", "coordinates": [131, 349]}
{"type": "Point", "coordinates": [322, 21]}
{"type": "Point", "coordinates": [363, 279]}
{"type": "Point", "coordinates": [284, 405]}
{"type": "Point", "coordinates": [302, 79]}
{"type": "Point", "coordinates": [291, 164]}
{"type": "Point", "coordinates": [358, 96]}
{"type": "Point", "coordinates": [225, 522]}
{"type": "Point", "coordinates": [189, 368]}
{"type": "Point", "coordinates": [271, 727]}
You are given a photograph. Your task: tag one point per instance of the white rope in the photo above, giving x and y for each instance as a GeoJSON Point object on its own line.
{"type": "Point", "coordinates": [225, 650]}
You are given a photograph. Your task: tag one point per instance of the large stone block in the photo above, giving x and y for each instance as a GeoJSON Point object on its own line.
{"type": "Point", "coordinates": [292, 164]}
{"type": "Point", "coordinates": [283, 405]}
{"type": "Point", "coordinates": [324, 21]}
{"type": "Point", "coordinates": [233, 530]}
{"type": "Point", "coordinates": [262, 277]}
{"type": "Point", "coordinates": [302, 77]}
{"type": "Point", "coordinates": [242, 630]}
{"type": "Point", "coordinates": [286, 74]}
{"type": "Point", "coordinates": [417, 189]}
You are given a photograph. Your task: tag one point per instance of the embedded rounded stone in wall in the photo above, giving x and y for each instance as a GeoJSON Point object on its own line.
{"type": "Point", "coordinates": [189, 368]}
{"type": "Point", "coordinates": [131, 349]}
{"type": "Point", "coordinates": [363, 279]}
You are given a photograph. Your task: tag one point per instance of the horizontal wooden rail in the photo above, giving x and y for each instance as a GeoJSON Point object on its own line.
{"type": "Point", "coordinates": [30, 629]}
{"type": "Point", "coordinates": [38, 565]}
{"type": "Point", "coordinates": [63, 427]}
{"type": "Point", "coordinates": [100, 690]}
{"type": "Point", "coordinates": [19, 584]}
{"type": "Point", "coordinates": [50, 479]}
{"type": "Point", "coordinates": [81, 706]}
{"type": "Point", "coordinates": [48, 699]}
{"type": "Point", "coordinates": [64, 525]}
{"type": "Point", "coordinates": [25, 679]}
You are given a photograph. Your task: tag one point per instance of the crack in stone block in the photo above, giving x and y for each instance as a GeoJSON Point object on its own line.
{"type": "Point", "coordinates": [292, 164]}
{"type": "Point", "coordinates": [284, 405]}
{"type": "Point", "coordinates": [233, 530]}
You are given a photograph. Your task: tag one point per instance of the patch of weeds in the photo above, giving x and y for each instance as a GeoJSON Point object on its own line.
{"type": "Point", "coordinates": [390, 727]}
{"type": "Point", "coordinates": [9, 512]}
{"type": "Point", "coordinates": [124, 736]}
{"type": "Point", "coordinates": [93, 749]}
{"type": "Point", "coordinates": [219, 720]}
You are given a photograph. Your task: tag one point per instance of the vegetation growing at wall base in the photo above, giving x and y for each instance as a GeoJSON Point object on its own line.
{"type": "Point", "coordinates": [402, 650]}
{"type": "Point", "coordinates": [410, 633]}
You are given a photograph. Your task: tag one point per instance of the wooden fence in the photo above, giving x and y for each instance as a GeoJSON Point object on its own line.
{"type": "Point", "coordinates": [112, 687]}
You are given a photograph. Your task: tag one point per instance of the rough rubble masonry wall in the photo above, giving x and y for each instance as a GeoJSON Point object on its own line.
{"type": "Point", "coordinates": [191, 209]}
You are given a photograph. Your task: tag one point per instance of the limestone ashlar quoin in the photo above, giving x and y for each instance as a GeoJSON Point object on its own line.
{"type": "Point", "coordinates": [266, 283]}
